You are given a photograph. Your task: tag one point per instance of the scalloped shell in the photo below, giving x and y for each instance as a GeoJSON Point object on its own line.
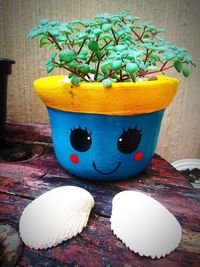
{"type": "Point", "coordinates": [55, 216]}
{"type": "Point", "coordinates": [144, 225]}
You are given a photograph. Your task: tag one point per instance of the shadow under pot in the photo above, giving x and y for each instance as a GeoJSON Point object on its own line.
{"type": "Point", "coordinates": [105, 133]}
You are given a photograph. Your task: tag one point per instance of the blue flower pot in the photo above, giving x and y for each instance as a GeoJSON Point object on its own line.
{"type": "Point", "coordinates": [102, 147]}
{"type": "Point", "coordinates": [105, 133]}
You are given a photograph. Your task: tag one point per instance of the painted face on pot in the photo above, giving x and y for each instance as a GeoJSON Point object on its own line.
{"type": "Point", "coordinates": [127, 143]}
{"type": "Point", "coordinates": [103, 147]}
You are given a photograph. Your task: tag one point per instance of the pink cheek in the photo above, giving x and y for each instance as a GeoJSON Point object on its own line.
{"type": "Point", "coordinates": [74, 159]}
{"type": "Point", "coordinates": [138, 156]}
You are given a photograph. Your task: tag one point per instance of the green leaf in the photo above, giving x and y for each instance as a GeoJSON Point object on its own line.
{"type": "Point", "coordinates": [99, 77]}
{"type": "Point", "coordinates": [120, 33]}
{"type": "Point", "coordinates": [115, 55]}
{"type": "Point", "coordinates": [178, 65]}
{"type": "Point", "coordinates": [84, 52]}
{"type": "Point", "coordinates": [133, 77]}
{"type": "Point", "coordinates": [106, 64]}
{"type": "Point", "coordinates": [36, 32]}
{"type": "Point", "coordinates": [53, 56]}
{"type": "Point", "coordinates": [169, 56]}
{"type": "Point", "coordinates": [131, 67]}
{"type": "Point", "coordinates": [81, 35]}
{"type": "Point", "coordinates": [185, 71]}
{"type": "Point", "coordinates": [75, 80]}
{"type": "Point", "coordinates": [48, 61]}
{"type": "Point", "coordinates": [152, 68]}
{"type": "Point", "coordinates": [88, 30]}
{"type": "Point", "coordinates": [93, 71]}
{"type": "Point", "coordinates": [53, 23]}
{"type": "Point", "coordinates": [106, 27]}
{"type": "Point", "coordinates": [64, 29]}
{"type": "Point", "coordinates": [105, 71]}
{"type": "Point", "coordinates": [94, 59]}
{"type": "Point", "coordinates": [51, 46]}
{"type": "Point", "coordinates": [82, 56]}
{"type": "Point", "coordinates": [77, 21]}
{"type": "Point", "coordinates": [141, 65]}
{"type": "Point", "coordinates": [96, 31]}
{"type": "Point", "coordinates": [61, 38]}
{"type": "Point", "coordinates": [43, 41]}
{"type": "Point", "coordinates": [72, 65]}
{"type": "Point", "coordinates": [180, 56]}
{"type": "Point", "coordinates": [107, 82]}
{"type": "Point", "coordinates": [44, 22]}
{"type": "Point", "coordinates": [66, 55]}
{"type": "Point", "coordinates": [120, 47]}
{"type": "Point", "coordinates": [116, 65]}
{"type": "Point", "coordinates": [106, 36]}
{"type": "Point", "coordinates": [188, 59]}
{"type": "Point", "coordinates": [93, 46]}
{"type": "Point", "coordinates": [85, 69]}
{"type": "Point", "coordinates": [50, 67]}
{"type": "Point", "coordinates": [70, 75]}
{"type": "Point", "coordinates": [146, 36]}
{"type": "Point", "coordinates": [114, 76]}
{"type": "Point", "coordinates": [91, 35]}
{"type": "Point", "coordinates": [55, 33]}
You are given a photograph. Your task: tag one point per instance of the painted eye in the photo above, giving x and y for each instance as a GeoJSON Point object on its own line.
{"type": "Point", "coordinates": [129, 140]}
{"type": "Point", "coordinates": [80, 139]}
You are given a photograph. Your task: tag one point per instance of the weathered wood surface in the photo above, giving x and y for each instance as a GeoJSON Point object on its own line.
{"type": "Point", "coordinates": [21, 182]}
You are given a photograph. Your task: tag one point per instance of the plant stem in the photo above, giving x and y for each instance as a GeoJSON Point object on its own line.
{"type": "Point", "coordinates": [88, 77]}
{"type": "Point", "coordinates": [137, 35]}
{"type": "Point", "coordinates": [143, 74]}
{"type": "Point", "coordinates": [163, 65]}
{"type": "Point", "coordinates": [81, 46]}
{"type": "Point", "coordinates": [111, 73]}
{"type": "Point", "coordinates": [51, 41]}
{"type": "Point", "coordinates": [114, 35]}
{"type": "Point", "coordinates": [91, 56]}
{"type": "Point", "coordinates": [70, 42]}
{"type": "Point", "coordinates": [147, 55]}
{"type": "Point", "coordinates": [93, 53]}
{"type": "Point", "coordinates": [121, 76]}
{"type": "Point", "coordinates": [98, 65]}
{"type": "Point", "coordinates": [74, 72]}
{"type": "Point", "coordinates": [105, 45]}
{"type": "Point", "coordinates": [143, 33]}
{"type": "Point", "coordinates": [55, 41]}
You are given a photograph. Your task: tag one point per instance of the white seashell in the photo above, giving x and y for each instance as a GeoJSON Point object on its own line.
{"type": "Point", "coordinates": [55, 216]}
{"type": "Point", "coordinates": [144, 225]}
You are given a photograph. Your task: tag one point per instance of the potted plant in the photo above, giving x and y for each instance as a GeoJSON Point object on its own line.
{"type": "Point", "coordinates": [105, 116]}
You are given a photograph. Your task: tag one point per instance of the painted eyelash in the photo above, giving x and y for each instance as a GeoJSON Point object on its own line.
{"type": "Point", "coordinates": [136, 128]}
{"type": "Point", "coordinates": [79, 127]}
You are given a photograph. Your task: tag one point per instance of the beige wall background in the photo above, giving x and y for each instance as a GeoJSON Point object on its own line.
{"type": "Point", "coordinates": [180, 133]}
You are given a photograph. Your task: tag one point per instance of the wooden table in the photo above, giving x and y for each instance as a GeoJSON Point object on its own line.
{"type": "Point", "coordinates": [23, 181]}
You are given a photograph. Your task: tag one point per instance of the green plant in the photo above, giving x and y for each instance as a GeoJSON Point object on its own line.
{"type": "Point", "coordinates": [112, 48]}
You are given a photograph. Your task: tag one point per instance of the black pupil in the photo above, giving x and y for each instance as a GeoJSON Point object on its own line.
{"type": "Point", "coordinates": [80, 139]}
{"type": "Point", "coordinates": [129, 141]}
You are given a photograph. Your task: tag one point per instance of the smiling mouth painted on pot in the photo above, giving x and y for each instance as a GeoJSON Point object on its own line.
{"type": "Point", "coordinates": [106, 173]}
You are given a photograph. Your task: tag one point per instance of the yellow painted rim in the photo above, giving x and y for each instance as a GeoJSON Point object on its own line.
{"type": "Point", "coordinates": [125, 98]}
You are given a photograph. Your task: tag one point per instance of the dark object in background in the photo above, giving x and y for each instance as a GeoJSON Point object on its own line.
{"type": "Point", "coordinates": [5, 70]}
{"type": "Point", "coordinates": [192, 175]}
